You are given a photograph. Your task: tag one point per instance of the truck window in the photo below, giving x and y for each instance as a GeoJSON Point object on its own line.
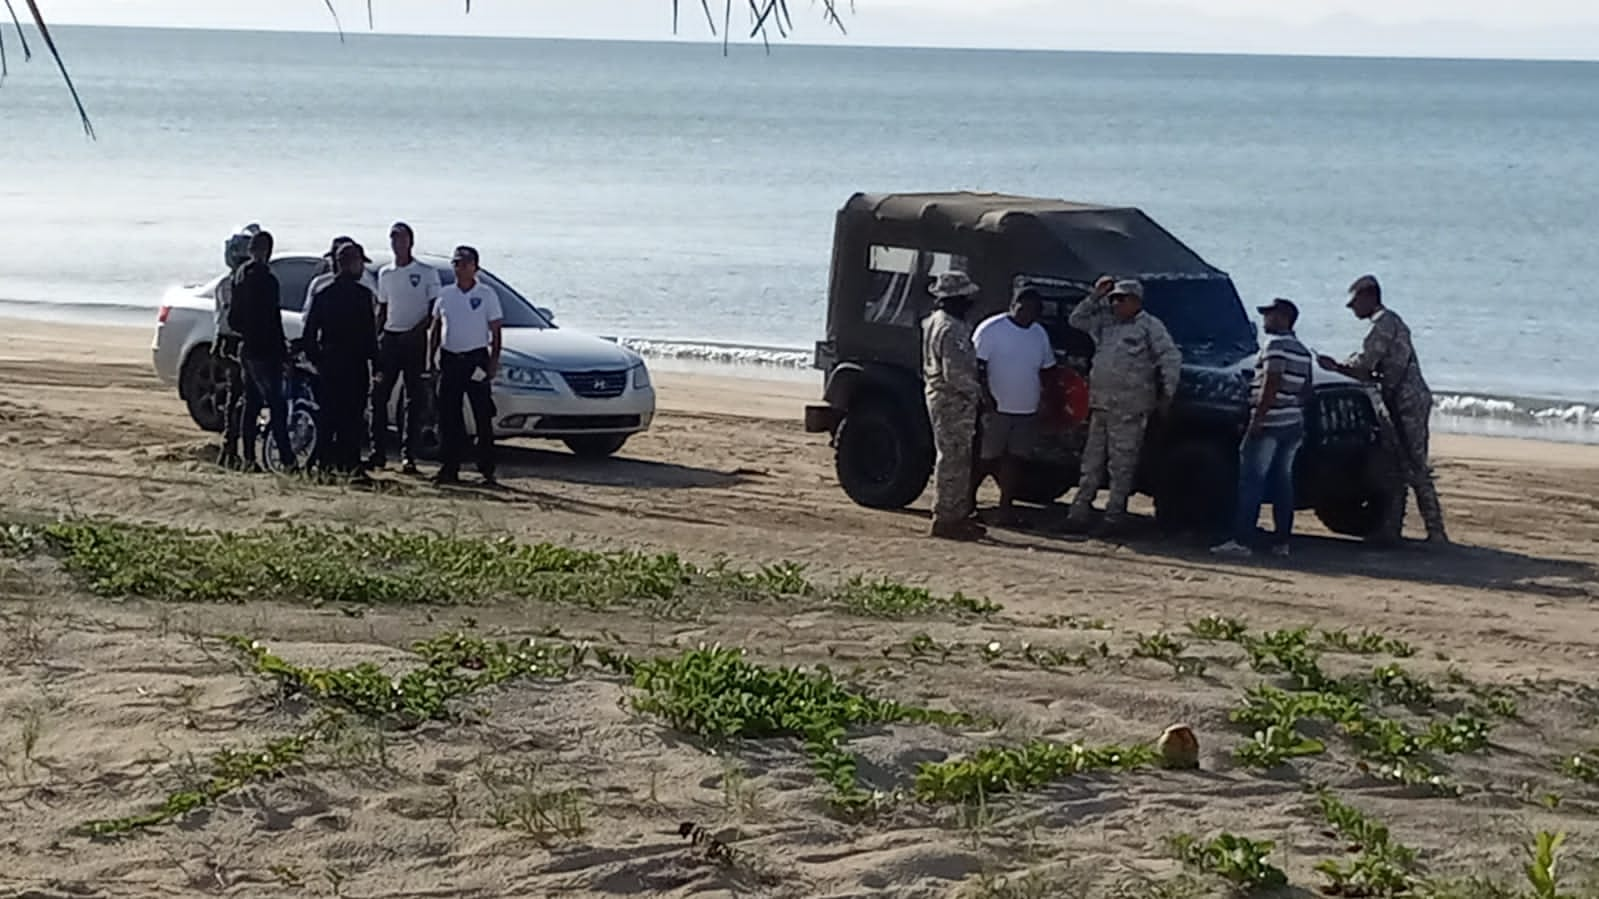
{"type": "Point", "coordinates": [900, 278]}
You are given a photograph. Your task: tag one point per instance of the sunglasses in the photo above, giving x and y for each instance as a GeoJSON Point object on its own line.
{"type": "Point", "coordinates": [460, 261]}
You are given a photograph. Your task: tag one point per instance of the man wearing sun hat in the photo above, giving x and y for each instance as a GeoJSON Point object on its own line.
{"type": "Point", "coordinates": [1388, 358]}
{"type": "Point", "coordinates": [1136, 368]}
{"type": "Point", "coordinates": [949, 375]}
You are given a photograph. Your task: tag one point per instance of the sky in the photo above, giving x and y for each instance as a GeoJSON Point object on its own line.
{"type": "Point", "coordinates": [1525, 29]}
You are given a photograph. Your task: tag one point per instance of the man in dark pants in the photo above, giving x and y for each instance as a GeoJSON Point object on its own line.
{"type": "Point", "coordinates": [254, 315]}
{"type": "Point", "coordinates": [225, 348]}
{"type": "Point", "coordinates": [341, 338]}
{"type": "Point", "coordinates": [466, 342]}
{"type": "Point", "coordinates": [407, 289]}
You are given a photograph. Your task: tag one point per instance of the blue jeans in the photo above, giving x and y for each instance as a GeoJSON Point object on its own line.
{"type": "Point", "coordinates": [1266, 473]}
{"type": "Point", "coordinates": [263, 387]}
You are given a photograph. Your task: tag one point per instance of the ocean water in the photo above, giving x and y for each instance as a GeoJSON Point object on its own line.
{"type": "Point", "coordinates": [685, 201]}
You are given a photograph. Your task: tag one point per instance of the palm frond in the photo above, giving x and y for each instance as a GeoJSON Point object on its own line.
{"type": "Point", "coordinates": [50, 44]}
{"type": "Point", "coordinates": [763, 13]}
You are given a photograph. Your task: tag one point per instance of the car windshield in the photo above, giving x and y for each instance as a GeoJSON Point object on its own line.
{"type": "Point", "coordinates": [519, 313]}
{"type": "Point", "coordinates": [1205, 318]}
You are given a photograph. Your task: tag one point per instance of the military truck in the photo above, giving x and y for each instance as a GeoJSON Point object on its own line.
{"type": "Point", "coordinates": [888, 247]}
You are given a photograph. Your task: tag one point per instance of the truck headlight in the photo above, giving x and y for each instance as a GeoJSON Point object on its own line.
{"type": "Point", "coordinates": [641, 377]}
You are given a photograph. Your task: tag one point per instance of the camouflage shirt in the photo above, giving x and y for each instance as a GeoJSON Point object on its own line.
{"type": "Point", "coordinates": [1389, 358]}
{"type": "Point", "coordinates": [1136, 363]}
{"type": "Point", "coordinates": [949, 358]}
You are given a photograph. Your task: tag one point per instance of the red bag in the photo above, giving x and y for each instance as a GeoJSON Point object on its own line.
{"type": "Point", "coordinates": [1065, 396]}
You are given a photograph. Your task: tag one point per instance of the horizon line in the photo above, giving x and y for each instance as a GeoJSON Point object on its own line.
{"type": "Point", "coordinates": [776, 45]}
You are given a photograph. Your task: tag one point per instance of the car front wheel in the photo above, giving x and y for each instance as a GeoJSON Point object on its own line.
{"type": "Point", "coordinates": [596, 446]}
{"type": "Point", "coordinates": [204, 385]}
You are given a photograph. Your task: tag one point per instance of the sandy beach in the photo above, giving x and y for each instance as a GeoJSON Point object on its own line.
{"type": "Point", "coordinates": [108, 701]}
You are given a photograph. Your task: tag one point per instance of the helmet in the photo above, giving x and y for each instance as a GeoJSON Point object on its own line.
{"type": "Point", "coordinates": [236, 249]}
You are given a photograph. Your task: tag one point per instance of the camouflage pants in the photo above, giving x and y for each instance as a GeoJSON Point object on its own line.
{"type": "Point", "coordinates": [1413, 432]}
{"type": "Point", "coordinates": [954, 421]}
{"type": "Point", "coordinates": [1115, 441]}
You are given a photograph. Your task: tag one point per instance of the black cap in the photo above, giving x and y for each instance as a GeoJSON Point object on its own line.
{"type": "Point", "coordinates": [340, 241]}
{"type": "Point", "coordinates": [1286, 307]}
{"type": "Point", "coordinates": [465, 254]}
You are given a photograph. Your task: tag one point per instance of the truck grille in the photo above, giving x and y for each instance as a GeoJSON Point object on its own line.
{"type": "Point", "coordinates": [1345, 416]}
{"type": "Point", "coordinates": [596, 385]}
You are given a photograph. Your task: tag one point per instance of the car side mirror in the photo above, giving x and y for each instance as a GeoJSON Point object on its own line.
{"type": "Point", "coordinates": [547, 312]}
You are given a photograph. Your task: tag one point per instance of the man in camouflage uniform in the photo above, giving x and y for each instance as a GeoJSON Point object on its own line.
{"type": "Point", "coordinates": [1388, 358]}
{"type": "Point", "coordinates": [1136, 367]}
{"type": "Point", "coordinates": [949, 374]}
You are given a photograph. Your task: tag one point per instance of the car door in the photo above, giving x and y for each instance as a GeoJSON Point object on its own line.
{"type": "Point", "coordinates": [294, 274]}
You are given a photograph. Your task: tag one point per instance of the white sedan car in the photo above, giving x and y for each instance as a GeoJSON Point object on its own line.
{"type": "Point", "coordinates": [587, 392]}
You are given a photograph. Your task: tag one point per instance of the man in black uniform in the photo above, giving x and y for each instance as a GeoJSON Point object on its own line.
{"type": "Point", "coordinates": [341, 338]}
{"type": "Point", "coordinates": [253, 314]}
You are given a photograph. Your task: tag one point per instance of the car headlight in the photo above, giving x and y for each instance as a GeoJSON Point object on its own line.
{"type": "Point", "coordinates": [641, 377]}
{"type": "Point", "coordinates": [525, 378]}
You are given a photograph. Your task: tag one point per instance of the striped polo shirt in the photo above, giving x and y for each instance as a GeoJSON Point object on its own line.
{"type": "Point", "coordinates": [1283, 353]}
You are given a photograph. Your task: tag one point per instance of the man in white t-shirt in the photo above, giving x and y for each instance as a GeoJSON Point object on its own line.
{"type": "Point", "coordinates": [1013, 351]}
{"type": "Point", "coordinates": [466, 342]}
{"type": "Point", "coordinates": [407, 288]}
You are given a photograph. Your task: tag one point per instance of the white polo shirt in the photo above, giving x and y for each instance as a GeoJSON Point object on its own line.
{"type": "Point", "coordinates": [408, 293]}
{"type": "Point", "coordinates": [466, 316]}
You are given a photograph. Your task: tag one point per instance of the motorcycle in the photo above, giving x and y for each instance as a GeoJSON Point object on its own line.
{"type": "Point", "coordinates": [299, 395]}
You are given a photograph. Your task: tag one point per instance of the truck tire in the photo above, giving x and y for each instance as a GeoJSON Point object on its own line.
{"type": "Point", "coordinates": [1198, 488]}
{"type": "Point", "coordinates": [203, 386]}
{"type": "Point", "coordinates": [1355, 514]}
{"type": "Point", "coordinates": [884, 453]}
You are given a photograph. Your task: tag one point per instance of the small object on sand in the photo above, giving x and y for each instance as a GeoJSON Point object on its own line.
{"type": "Point", "coordinates": [1179, 748]}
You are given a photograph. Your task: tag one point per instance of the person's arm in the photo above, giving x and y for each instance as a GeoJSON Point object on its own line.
{"type": "Point", "coordinates": [960, 365]}
{"type": "Point", "coordinates": [435, 334]}
{"type": "Point", "coordinates": [984, 344]}
{"type": "Point", "coordinates": [1273, 363]}
{"type": "Point", "coordinates": [311, 335]}
{"type": "Point", "coordinates": [1168, 360]}
{"type": "Point", "coordinates": [1091, 312]}
{"type": "Point", "coordinates": [369, 329]}
{"type": "Point", "coordinates": [1362, 366]}
{"type": "Point", "coordinates": [496, 315]}
{"type": "Point", "coordinates": [382, 299]}
{"type": "Point", "coordinates": [236, 292]}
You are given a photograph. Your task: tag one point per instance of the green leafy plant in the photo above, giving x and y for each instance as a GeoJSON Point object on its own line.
{"type": "Point", "coordinates": [229, 770]}
{"type": "Point", "coordinates": [324, 565]}
{"type": "Point", "coordinates": [1581, 766]}
{"type": "Point", "coordinates": [520, 801]}
{"type": "Point", "coordinates": [1395, 684]}
{"type": "Point", "coordinates": [1462, 734]}
{"type": "Point", "coordinates": [1163, 647]}
{"type": "Point", "coordinates": [1274, 746]}
{"type": "Point", "coordinates": [1542, 865]}
{"type": "Point", "coordinates": [1381, 867]}
{"type": "Point", "coordinates": [717, 694]}
{"type": "Point", "coordinates": [1218, 627]}
{"type": "Point", "coordinates": [994, 771]}
{"type": "Point", "coordinates": [1239, 860]}
{"type": "Point", "coordinates": [1364, 643]}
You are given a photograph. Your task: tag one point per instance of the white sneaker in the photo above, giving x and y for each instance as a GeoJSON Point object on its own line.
{"type": "Point", "coordinates": [1232, 549]}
